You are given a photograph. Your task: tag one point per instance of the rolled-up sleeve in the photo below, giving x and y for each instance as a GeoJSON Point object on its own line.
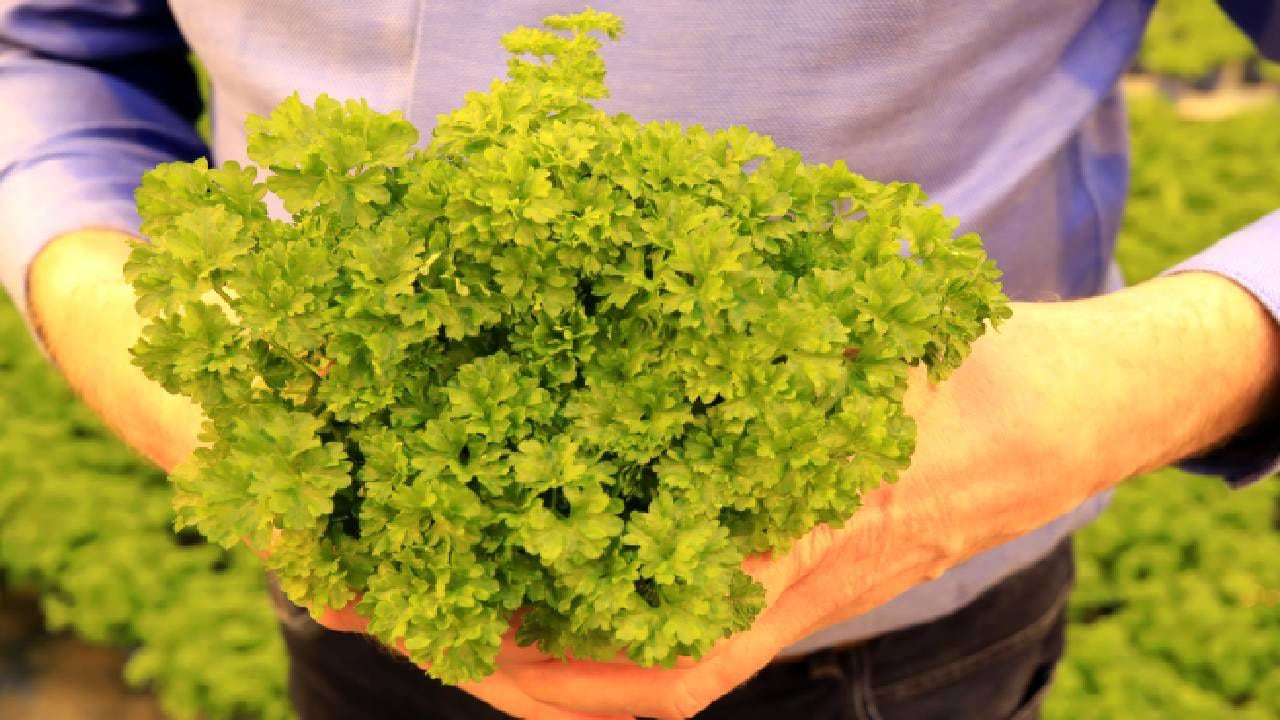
{"type": "Point", "coordinates": [92, 94]}
{"type": "Point", "coordinates": [1251, 258]}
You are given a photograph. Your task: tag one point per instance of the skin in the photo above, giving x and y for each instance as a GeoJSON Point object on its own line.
{"type": "Point", "coordinates": [1064, 401]}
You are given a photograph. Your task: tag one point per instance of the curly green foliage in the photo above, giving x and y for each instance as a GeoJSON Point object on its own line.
{"type": "Point", "coordinates": [87, 523]}
{"type": "Point", "coordinates": [1105, 676]}
{"type": "Point", "coordinates": [557, 359]}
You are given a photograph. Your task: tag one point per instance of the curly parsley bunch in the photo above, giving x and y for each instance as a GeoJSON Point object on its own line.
{"type": "Point", "coordinates": [557, 360]}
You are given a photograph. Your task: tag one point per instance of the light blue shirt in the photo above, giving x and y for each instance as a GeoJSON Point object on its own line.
{"type": "Point", "coordinates": [1006, 111]}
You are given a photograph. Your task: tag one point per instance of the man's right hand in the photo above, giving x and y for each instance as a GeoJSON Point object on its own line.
{"type": "Point", "coordinates": [83, 309]}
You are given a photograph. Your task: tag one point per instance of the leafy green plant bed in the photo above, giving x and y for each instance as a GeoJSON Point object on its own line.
{"type": "Point", "coordinates": [1177, 607]}
{"type": "Point", "coordinates": [86, 522]}
{"type": "Point", "coordinates": [1194, 183]}
{"type": "Point", "coordinates": [1176, 612]}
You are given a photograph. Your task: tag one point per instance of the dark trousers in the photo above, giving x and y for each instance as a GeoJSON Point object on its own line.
{"type": "Point", "coordinates": [991, 660]}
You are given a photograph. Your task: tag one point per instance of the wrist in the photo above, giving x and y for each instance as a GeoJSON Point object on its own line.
{"type": "Point", "coordinates": [1005, 444]}
{"type": "Point", "coordinates": [1101, 389]}
{"type": "Point", "coordinates": [1186, 361]}
{"type": "Point", "coordinates": [1062, 402]}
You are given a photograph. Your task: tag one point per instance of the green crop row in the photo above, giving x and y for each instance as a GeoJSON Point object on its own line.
{"type": "Point", "coordinates": [1193, 183]}
{"type": "Point", "coordinates": [87, 523]}
{"type": "Point", "coordinates": [1177, 608]}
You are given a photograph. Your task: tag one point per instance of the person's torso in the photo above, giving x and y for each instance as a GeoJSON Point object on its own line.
{"type": "Point", "coordinates": [1005, 111]}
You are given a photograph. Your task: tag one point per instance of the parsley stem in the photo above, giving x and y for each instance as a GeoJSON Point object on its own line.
{"type": "Point", "coordinates": [296, 362]}
{"type": "Point", "coordinates": [311, 393]}
{"type": "Point", "coordinates": [223, 294]}
{"type": "Point", "coordinates": [276, 348]}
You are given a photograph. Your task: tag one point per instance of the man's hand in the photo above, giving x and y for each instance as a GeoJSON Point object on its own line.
{"type": "Point", "coordinates": [903, 535]}
{"type": "Point", "coordinates": [1065, 401]}
{"type": "Point", "coordinates": [499, 689]}
{"type": "Point", "coordinates": [83, 310]}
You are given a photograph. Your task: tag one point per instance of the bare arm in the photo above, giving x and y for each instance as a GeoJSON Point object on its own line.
{"type": "Point", "coordinates": [1102, 389]}
{"type": "Point", "coordinates": [83, 310]}
{"type": "Point", "coordinates": [1066, 400]}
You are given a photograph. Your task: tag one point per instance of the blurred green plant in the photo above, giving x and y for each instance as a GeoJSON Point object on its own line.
{"type": "Point", "coordinates": [1190, 39]}
{"type": "Point", "coordinates": [1193, 183]}
{"type": "Point", "coordinates": [87, 523]}
{"type": "Point", "coordinates": [1176, 612]}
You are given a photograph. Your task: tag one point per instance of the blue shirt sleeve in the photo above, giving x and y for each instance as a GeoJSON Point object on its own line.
{"type": "Point", "coordinates": [94, 93]}
{"type": "Point", "coordinates": [1251, 258]}
{"type": "Point", "coordinates": [1260, 20]}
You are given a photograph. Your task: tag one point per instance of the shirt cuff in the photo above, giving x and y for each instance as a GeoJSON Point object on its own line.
{"type": "Point", "coordinates": [57, 195]}
{"type": "Point", "coordinates": [1251, 258]}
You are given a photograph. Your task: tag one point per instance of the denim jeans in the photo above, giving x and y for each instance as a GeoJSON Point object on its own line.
{"type": "Point", "coordinates": [992, 659]}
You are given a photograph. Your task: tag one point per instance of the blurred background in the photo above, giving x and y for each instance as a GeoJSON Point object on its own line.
{"type": "Point", "coordinates": [106, 613]}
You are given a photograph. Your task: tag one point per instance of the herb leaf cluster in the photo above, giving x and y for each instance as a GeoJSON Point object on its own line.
{"type": "Point", "coordinates": [556, 359]}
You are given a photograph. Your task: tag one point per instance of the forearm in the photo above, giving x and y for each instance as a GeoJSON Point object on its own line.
{"type": "Point", "coordinates": [83, 310]}
{"type": "Point", "coordinates": [1105, 388]}
{"type": "Point", "coordinates": [1064, 401]}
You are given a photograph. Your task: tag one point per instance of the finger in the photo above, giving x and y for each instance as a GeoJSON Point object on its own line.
{"type": "Point", "coordinates": [502, 693]}
{"type": "Point", "coordinates": [889, 584]}
{"type": "Point", "coordinates": [779, 571]}
{"type": "Point", "coordinates": [761, 565]}
{"type": "Point", "coordinates": [656, 692]}
{"type": "Point", "coordinates": [621, 658]}
{"type": "Point", "coordinates": [775, 572]}
{"type": "Point", "coordinates": [650, 692]}
{"type": "Point", "coordinates": [263, 553]}
{"type": "Point", "coordinates": [345, 619]}
{"type": "Point", "coordinates": [510, 652]}
{"type": "Point", "coordinates": [610, 688]}
{"type": "Point", "coordinates": [605, 688]}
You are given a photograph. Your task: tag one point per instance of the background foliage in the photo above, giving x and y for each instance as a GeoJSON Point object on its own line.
{"type": "Point", "coordinates": [1177, 610]}
{"type": "Point", "coordinates": [1193, 183]}
{"type": "Point", "coordinates": [85, 521]}
{"type": "Point", "coordinates": [1194, 39]}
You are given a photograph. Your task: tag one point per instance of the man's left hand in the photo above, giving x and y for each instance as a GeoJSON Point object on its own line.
{"type": "Point", "coordinates": [1063, 402]}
